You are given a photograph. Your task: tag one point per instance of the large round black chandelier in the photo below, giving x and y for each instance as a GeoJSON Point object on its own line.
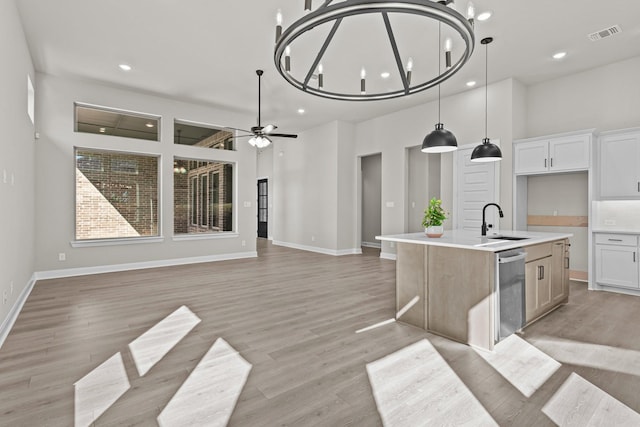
{"type": "Point", "coordinates": [324, 24]}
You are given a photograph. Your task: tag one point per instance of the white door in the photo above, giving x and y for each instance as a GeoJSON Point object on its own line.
{"type": "Point", "coordinates": [476, 185]}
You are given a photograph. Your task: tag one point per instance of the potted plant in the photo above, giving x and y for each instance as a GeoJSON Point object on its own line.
{"type": "Point", "coordinates": [434, 215]}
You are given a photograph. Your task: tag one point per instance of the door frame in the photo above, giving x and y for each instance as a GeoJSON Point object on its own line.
{"type": "Point", "coordinates": [456, 158]}
{"type": "Point", "coordinates": [260, 179]}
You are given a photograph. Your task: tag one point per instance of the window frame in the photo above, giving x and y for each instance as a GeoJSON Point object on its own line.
{"type": "Point", "coordinates": [109, 241]}
{"type": "Point", "coordinates": [209, 234]}
{"type": "Point", "coordinates": [137, 114]}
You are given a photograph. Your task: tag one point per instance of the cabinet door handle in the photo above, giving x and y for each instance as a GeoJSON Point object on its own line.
{"type": "Point", "coordinates": [615, 240]}
{"type": "Point", "coordinates": [545, 163]}
{"type": "Point", "coordinates": [638, 186]}
{"type": "Point", "coordinates": [566, 262]}
{"type": "Point", "coordinates": [552, 162]}
{"type": "Point", "coordinates": [634, 257]}
{"type": "Point", "coordinates": [540, 272]}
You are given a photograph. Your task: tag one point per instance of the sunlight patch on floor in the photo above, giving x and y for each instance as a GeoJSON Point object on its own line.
{"type": "Point", "coordinates": [375, 325]}
{"type": "Point", "coordinates": [580, 403]}
{"type": "Point", "coordinates": [150, 347]}
{"type": "Point", "coordinates": [209, 395]}
{"type": "Point", "coordinates": [592, 355]}
{"type": "Point", "coordinates": [416, 387]}
{"type": "Point", "coordinates": [99, 389]}
{"type": "Point", "coordinates": [520, 363]}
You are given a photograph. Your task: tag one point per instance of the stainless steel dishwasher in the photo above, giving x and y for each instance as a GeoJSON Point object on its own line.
{"type": "Point", "coordinates": [511, 307]}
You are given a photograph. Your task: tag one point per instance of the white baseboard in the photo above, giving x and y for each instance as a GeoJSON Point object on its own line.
{"type": "Point", "coordinates": [82, 271]}
{"type": "Point", "coordinates": [371, 244]}
{"type": "Point", "coordinates": [333, 252]}
{"type": "Point", "coordinates": [11, 318]}
{"type": "Point", "coordinates": [388, 255]}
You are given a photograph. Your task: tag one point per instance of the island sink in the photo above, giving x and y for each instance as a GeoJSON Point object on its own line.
{"type": "Point", "coordinates": [507, 237]}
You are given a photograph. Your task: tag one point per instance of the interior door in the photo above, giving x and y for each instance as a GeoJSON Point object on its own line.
{"type": "Point", "coordinates": [475, 187]}
{"type": "Point", "coordinates": [263, 207]}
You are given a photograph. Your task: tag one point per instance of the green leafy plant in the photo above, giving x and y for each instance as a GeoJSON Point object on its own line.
{"type": "Point", "coordinates": [434, 214]}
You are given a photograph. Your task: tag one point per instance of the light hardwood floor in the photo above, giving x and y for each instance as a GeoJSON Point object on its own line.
{"type": "Point", "coordinates": [293, 316]}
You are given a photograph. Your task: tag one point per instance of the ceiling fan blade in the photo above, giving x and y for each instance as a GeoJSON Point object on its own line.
{"type": "Point", "coordinates": [241, 130]}
{"type": "Point", "coordinates": [269, 128]}
{"type": "Point", "coordinates": [243, 136]}
{"type": "Point", "coordinates": [284, 135]}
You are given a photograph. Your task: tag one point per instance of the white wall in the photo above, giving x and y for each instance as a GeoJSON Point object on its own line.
{"type": "Point", "coordinates": [423, 183]}
{"type": "Point", "coordinates": [305, 188]}
{"type": "Point", "coordinates": [17, 161]}
{"type": "Point", "coordinates": [371, 198]}
{"type": "Point", "coordinates": [315, 190]}
{"type": "Point", "coordinates": [55, 175]}
{"type": "Point", "coordinates": [605, 98]}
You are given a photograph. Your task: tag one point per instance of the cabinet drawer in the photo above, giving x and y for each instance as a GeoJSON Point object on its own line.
{"type": "Point", "coordinates": [617, 239]}
{"type": "Point", "coordinates": [538, 251]}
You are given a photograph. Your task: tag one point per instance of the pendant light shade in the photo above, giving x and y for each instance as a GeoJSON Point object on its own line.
{"type": "Point", "coordinates": [486, 152]}
{"type": "Point", "coordinates": [439, 141]}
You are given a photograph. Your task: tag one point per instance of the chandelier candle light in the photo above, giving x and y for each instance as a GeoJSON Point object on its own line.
{"type": "Point", "coordinates": [300, 70]}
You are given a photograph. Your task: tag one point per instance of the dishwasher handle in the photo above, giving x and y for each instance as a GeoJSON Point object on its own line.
{"type": "Point", "coordinates": [514, 258]}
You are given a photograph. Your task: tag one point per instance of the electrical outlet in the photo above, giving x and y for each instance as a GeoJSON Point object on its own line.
{"type": "Point", "coordinates": [393, 245]}
{"type": "Point", "coordinates": [313, 238]}
{"type": "Point", "coordinates": [4, 297]}
{"type": "Point", "coordinates": [11, 287]}
{"type": "Point", "coordinates": [62, 256]}
{"type": "Point", "coordinates": [609, 222]}
{"type": "Point", "coordinates": [4, 176]}
{"type": "Point", "coordinates": [244, 243]}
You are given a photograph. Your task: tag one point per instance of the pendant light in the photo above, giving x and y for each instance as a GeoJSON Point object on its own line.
{"type": "Point", "coordinates": [486, 152]}
{"type": "Point", "coordinates": [440, 140]}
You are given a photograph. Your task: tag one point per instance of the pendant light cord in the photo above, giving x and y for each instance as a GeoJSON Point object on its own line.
{"type": "Point", "coordinates": [486, 91]}
{"type": "Point", "coordinates": [439, 64]}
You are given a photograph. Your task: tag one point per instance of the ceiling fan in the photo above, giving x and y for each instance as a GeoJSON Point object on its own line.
{"type": "Point", "coordinates": [260, 134]}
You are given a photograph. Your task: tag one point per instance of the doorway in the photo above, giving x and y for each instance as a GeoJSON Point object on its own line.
{"type": "Point", "coordinates": [371, 208]}
{"type": "Point", "coordinates": [263, 208]}
{"type": "Point", "coordinates": [423, 183]}
{"type": "Point", "coordinates": [476, 184]}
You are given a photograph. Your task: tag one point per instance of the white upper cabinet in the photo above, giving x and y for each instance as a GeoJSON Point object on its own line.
{"type": "Point", "coordinates": [619, 161]}
{"type": "Point", "coordinates": [562, 153]}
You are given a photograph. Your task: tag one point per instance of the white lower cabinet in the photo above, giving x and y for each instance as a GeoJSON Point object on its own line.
{"type": "Point", "coordinates": [617, 260]}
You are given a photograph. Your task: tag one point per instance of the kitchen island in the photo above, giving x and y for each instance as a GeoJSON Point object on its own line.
{"type": "Point", "coordinates": [448, 285]}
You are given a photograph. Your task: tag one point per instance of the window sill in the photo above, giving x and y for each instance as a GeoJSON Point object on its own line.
{"type": "Point", "coordinates": [205, 236]}
{"type": "Point", "coordinates": [115, 242]}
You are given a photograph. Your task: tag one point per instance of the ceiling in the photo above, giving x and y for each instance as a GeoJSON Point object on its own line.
{"type": "Point", "coordinates": [207, 51]}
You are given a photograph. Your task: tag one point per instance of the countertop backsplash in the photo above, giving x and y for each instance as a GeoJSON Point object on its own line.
{"type": "Point", "coordinates": [616, 216]}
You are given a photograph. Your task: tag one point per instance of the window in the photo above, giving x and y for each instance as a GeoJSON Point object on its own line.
{"type": "Point", "coordinates": [107, 121]}
{"type": "Point", "coordinates": [116, 195]}
{"type": "Point", "coordinates": [203, 196]}
{"type": "Point", "coordinates": [187, 133]}
{"type": "Point", "coordinates": [31, 100]}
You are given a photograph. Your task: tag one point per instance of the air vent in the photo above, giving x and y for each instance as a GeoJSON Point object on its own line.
{"type": "Point", "coordinates": [602, 34]}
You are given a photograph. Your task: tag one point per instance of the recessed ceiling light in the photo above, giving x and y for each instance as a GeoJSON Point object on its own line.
{"type": "Point", "coordinates": [149, 125]}
{"type": "Point", "coordinates": [484, 15]}
{"type": "Point", "coordinates": [125, 67]}
{"type": "Point", "coordinates": [471, 83]}
{"type": "Point", "coordinates": [300, 110]}
{"type": "Point", "coordinates": [559, 55]}
{"type": "Point", "coordinates": [102, 130]}
{"type": "Point", "coordinates": [385, 74]}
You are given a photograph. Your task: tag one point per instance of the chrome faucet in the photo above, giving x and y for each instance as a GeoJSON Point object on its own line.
{"type": "Point", "coordinates": [484, 222]}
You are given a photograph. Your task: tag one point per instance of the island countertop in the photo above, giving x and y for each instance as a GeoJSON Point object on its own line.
{"type": "Point", "coordinates": [466, 239]}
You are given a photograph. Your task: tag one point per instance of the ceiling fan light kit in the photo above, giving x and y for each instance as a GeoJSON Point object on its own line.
{"type": "Point", "coordinates": [487, 151]}
{"type": "Point", "coordinates": [333, 14]}
{"type": "Point", "coordinates": [261, 135]}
